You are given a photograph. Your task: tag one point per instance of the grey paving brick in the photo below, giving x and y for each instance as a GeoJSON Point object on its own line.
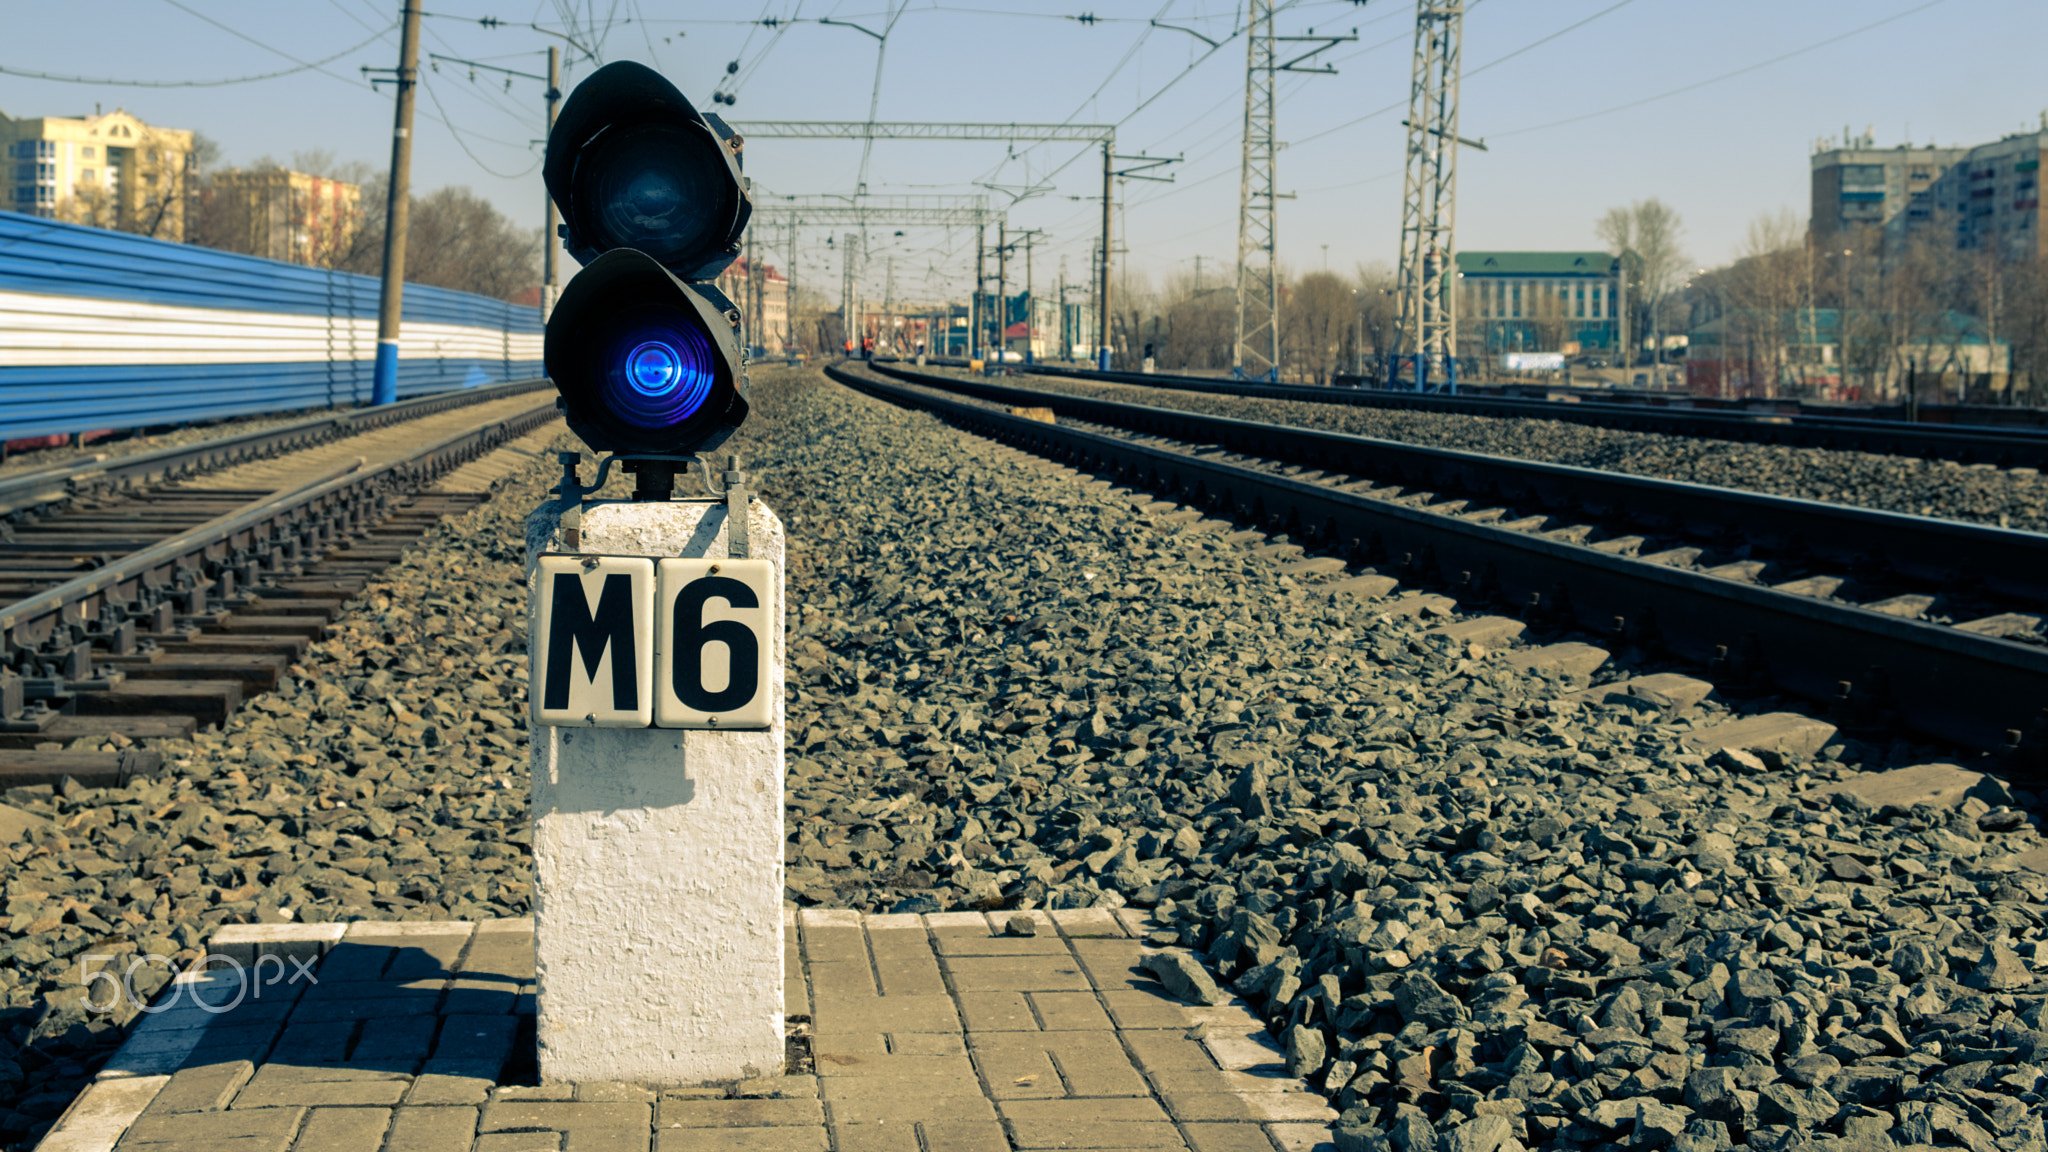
{"type": "Point", "coordinates": [892, 1014]}
{"type": "Point", "coordinates": [1015, 973]}
{"type": "Point", "coordinates": [833, 1047]}
{"type": "Point", "coordinates": [950, 1135]}
{"type": "Point", "coordinates": [564, 1116]}
{"type": "Point", "coordinates": [351, 960]}
{"type": "Point", "coordinates": [967, 944]}
{"type": "Point", "coordinates": [204, 1088]}
{"type": "Point", "coordinates": [612, 1092]}
{"type": "Point", "coordinates": [742, 1140]}
{"type": "Point", "coordinates": [369, 1008]}
{"type": "Point", "coordinates": [894, 1065]}
{"type": "Point", "coordinates": [326, 1094]}
{"type": "Point", "coordinates": [465, 1037]}
{"type": "Point", "coordinates": [454, 1082]}
{"type": "Point", "coordinates": [431, 1130]}
{"type": "Point", "coordinates": [265, 1128]}
{"type": "Point", "coordinates": [1226, 1138]}
{"type": "Point", "coordinates": [1070, 1011]}
{"type": "Point", "coordinates": [519, 1142]}
{"type": "Point", "coordinates": [1088, 1063]}
{"type": "Point", "coordinates": [372, 989]}
{"type": "Point", "coordinates": [343, 1130]}
{"type": "Point", "coordinates": [738, 1114]}
{"type": "Point", "coordinates": [835, 945]}
{"type": "Point", "coordinates": [405, 1038]}
{"type": "Point", "coordinates": [1112, 965]}
{"type": "Point", "coordinates": [481, 995]}
{"type": "Point", "coordinates": [997, 1012]}
{"type": "Point", "coordinates": [910, 1104]}
{"type": "Point", "coordinates": [1160, 1051]}
{"type": "Point", "coordinates": [317, 1040]}
{"type": "Point", "coordinates": [1143, 1008]}
{"type": "Point", "coordinates": [846, 979]}
{"type": "Point", "coordinates": [908, 972]}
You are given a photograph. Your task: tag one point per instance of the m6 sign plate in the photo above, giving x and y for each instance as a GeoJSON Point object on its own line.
{"type": "Point", "coordinates": [634, 641]}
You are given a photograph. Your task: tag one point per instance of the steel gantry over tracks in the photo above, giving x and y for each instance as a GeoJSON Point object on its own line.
{"type": "Point", "coordinates": [1103, 134]}
{"type": "Point", "coordinates": [792, 212]}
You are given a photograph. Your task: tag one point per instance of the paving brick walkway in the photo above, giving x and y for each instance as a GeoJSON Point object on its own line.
{"type": "Point", "coordinates": [934, 1033]}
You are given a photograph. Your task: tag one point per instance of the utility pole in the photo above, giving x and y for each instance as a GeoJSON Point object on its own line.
{"type": "Point", "coordinates": [397, 214]}
{"type": "Point", "coordinates": [846, 292]}
{"type": "Point", "coordinates": [974, 332]}
{"type": "Point", "coordinates": [550, 240]}
{"type": "Point", "coordinates": [1429, 196]}
{"type": "Point", "coordinates": [1256, 353]}
{"type": "Point", "coordinates": [1023, 240]}
{"type": "Point", "coordinates": [789, 342]}
{"type": "Point", "coordinates": [752, 335]}
{"type": "Point", "coordinates": [1066, 343]}
{"type": "Point", "coordinates": [1102, 296]}
{"type": "Point", "coordinates": [1002, 289]}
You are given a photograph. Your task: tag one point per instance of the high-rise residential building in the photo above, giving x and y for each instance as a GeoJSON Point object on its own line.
{"type": "Point", "coordinates": [281, 214]}
{"type": "Point", "coordinates": [1988, 194]}
{"type": "Point", "coordinates": [108, 170]}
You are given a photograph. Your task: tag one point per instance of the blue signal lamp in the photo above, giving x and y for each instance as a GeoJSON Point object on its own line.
{"type": "Point", "coordinates": [648, 366]}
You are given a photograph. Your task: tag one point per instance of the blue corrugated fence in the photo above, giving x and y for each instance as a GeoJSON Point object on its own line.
{"type": "Point", "coordinates": [107, 330]}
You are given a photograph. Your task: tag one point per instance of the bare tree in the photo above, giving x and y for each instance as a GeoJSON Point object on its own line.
{"type": "Point", "coordinates": [1378, 313]}
{"type": "Point", "coordinates": [1318, 314]}
{"type": "Point", "coordinates": [1646, 237]}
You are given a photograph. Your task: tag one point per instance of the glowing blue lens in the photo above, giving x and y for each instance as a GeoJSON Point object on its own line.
{"type": "Point", "coordinates": [658, 373]}
{"type": "Point", "coordinates": [652, 367]}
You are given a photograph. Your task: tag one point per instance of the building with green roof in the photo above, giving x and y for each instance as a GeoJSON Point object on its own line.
{"type": "Point", "coordinates": [1538, 301]}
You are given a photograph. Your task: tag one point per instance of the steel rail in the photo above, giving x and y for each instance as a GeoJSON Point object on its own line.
{"type": "Point", "coordinates": [1965, 444]}
{"type": "Point", "coordinates": [1957, 686]}
{"type": "Point", "coordinates": [112, 473]}
{"type": "Point", "coordinates": [1942, 553]}
{"type": "Point", "coordinates": [272, 527]}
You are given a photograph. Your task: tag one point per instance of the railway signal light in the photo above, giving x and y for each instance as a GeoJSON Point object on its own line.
{"type": "Point", "coordinates": [646, 354]}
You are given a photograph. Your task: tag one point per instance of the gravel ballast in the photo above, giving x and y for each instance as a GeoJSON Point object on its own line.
{"type": "Point", "coordinates": [1478, 909]}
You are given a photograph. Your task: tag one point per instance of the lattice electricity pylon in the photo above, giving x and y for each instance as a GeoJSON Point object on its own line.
{"type": "Point", "coordinates": [1256, 354]}
{"type": "Point", "coordinates": [1428, 331]}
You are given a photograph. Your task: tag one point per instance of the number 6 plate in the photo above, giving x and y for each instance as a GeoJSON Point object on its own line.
{"type": "Point", "coordinates": [714, 634]}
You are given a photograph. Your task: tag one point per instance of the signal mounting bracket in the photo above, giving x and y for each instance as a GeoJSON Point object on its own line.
{"type": "Point", "coordinates": [654, 482]}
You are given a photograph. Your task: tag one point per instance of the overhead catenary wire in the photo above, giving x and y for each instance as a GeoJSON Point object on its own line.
{"type": "Point", "coordinates": [30, 74]}
{"type": "Point", "coordinates": [1743, 71]}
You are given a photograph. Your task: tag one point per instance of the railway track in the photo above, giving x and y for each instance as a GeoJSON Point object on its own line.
{"type": "Point", "coordinates": [1884, 618]}
{"type": "Point", "coordinates": [153, 595]}
{"type": "Point", "coordinates": [1965, 444]}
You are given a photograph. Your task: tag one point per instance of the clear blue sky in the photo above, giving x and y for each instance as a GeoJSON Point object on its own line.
{"type": "Point", "coordinates": [1953, 71]}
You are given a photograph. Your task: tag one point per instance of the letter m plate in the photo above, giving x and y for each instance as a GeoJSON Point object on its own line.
{"type": "Point", "coordinates": [593, 641]}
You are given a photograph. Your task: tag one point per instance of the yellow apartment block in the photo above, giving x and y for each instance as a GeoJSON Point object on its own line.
{"type": "Point", "coordinates": [281, 214]}
{"type": "Point", "coordinates": [108, 170]}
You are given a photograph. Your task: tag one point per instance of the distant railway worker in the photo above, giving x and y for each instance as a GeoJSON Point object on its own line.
{"type": "Point", "coordinates": [867, 348]}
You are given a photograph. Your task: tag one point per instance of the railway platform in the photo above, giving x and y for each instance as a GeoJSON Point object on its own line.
{"type": "Point", "coordinates": [907, 1032]}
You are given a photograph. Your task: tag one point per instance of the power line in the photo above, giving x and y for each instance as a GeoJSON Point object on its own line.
{"type": "Point", "coordinates": [26, 73]}
{"type": "Point", "coordinates": [1547, 39]}
{"type": "Point", "coordinates": [449, 123]}
{"type": "Point", "coordinates": [238, 34]}
{"type": "Point", "coordinates": [1816, 45]}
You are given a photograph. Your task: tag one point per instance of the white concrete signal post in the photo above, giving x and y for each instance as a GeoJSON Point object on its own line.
{"type": "Point", "coordinates": [656, 649]}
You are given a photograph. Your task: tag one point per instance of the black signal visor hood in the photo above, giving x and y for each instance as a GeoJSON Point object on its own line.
{"type": "Point", "coordinates": [626, 94]}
